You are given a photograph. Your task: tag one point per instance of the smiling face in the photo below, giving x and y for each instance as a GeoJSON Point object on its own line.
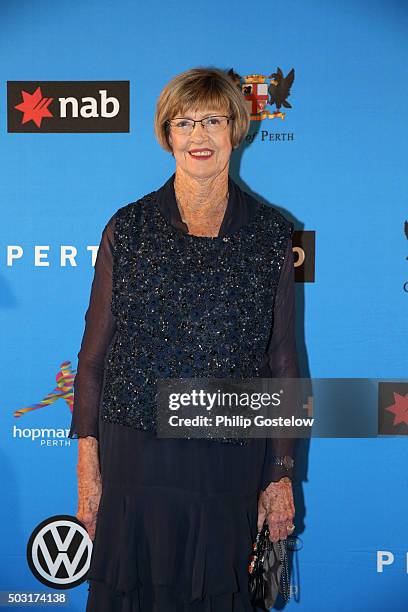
{"type": "Point", "coordinates": [201, 154]}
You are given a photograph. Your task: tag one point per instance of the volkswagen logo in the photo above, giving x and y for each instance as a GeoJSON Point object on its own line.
{"type": "Point", "coordinates": [59, 552]}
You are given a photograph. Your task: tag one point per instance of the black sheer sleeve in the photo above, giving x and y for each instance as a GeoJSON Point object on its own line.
{"type": "Point", "coordinates": [282, 360]}
{"type": "Point", "coordinates": [100, 327]}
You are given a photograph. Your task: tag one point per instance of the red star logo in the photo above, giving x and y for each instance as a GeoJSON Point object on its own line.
{"type": "Point", "coordinates": [399, 408]}
{"type": "Point", "coordinates": [34, 107]}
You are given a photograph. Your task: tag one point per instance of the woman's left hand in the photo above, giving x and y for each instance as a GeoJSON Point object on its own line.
{"type": "Point", "coordinates": [276, 505]}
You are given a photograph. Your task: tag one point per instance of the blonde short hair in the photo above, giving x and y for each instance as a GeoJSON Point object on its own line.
{"type": "Point", "coordinates": [196, 89]}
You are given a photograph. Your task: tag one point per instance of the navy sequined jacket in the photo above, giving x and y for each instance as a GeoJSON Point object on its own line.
{"type": "Point", "coordinates": [139, 268]}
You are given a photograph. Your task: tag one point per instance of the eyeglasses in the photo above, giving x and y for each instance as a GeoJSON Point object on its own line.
{"type": "Point", "coordinates": [212, 125]}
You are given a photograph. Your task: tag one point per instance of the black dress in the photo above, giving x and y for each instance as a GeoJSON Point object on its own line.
{"type": "Point", "coordinates": [177, 517]}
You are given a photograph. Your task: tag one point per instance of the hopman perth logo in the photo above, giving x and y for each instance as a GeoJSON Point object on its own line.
{"type": "Point", "coordinates": [67, 106]}
{"type": "Point", "coordinates": [48, 436]}
{"type": "Point", "coordinates": [260, 91]}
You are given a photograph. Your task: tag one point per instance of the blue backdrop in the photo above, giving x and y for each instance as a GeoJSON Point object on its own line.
{"type": "Point", "coordinates": [342, 174]}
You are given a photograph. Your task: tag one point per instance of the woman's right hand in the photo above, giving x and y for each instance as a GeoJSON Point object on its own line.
{"type": "Point", "coordinates": [89, 483]}
{"type": "Point", "coordinates": [89, 495]}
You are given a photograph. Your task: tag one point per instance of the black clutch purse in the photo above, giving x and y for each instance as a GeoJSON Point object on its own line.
{"type": "Point", "coordinates": [268, 571]}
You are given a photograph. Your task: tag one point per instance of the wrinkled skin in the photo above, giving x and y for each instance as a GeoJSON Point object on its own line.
{"type": "Point", "coordinates": [89, 495]}
{"type": "Point", "coordinates": [89, 483]}
{"type": "Point", "coordinates": [201, 187]}
{"type": "Point", "coordinates": [276, 505]}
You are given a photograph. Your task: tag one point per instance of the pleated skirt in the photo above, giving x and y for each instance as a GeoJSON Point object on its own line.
{"type": "Point", "coordinates": [176, 523]}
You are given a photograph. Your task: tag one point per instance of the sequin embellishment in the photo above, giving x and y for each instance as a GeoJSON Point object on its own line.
{"type": "Point", "coordinates": [187, 306]}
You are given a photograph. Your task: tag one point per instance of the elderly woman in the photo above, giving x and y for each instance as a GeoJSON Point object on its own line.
{"type": "Point", "coordinates": [194, 279]}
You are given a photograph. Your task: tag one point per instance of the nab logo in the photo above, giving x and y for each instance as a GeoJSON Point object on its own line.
{"type": "Point", "coordinates": [59, 552]}
{"type": "Point", "coordinates": [34, 107]}
{"type": "Point", "coordinates": [68, 106]}
{"type": "Point", "coordinates": [393, 408]}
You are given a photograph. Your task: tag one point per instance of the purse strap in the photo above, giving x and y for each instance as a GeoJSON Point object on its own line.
{"type": "Point", "coordinates": [284, 579]}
